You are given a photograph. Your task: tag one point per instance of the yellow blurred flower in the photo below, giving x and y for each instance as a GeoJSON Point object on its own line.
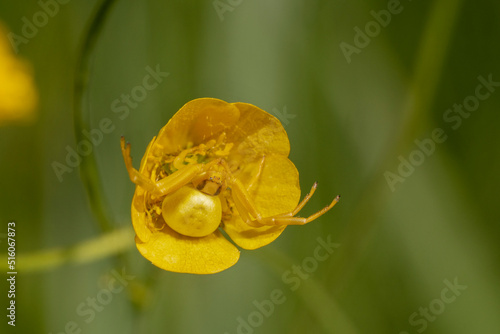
{"type": "Point", "coordinates": [18, 97]}
{"type": "Point", "coordinates": [215, 165]}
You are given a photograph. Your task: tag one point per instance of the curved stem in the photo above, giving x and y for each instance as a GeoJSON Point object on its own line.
{"type": "Point", "coordinates": [88, 167]}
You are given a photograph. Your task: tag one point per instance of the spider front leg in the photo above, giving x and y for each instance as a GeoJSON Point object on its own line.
{"type": "Point", "coordinates": [167, 185]}
{"type": "Point", "coordinates": [252, 217]}
{"type": "Point", "coordinates": [256, 177]}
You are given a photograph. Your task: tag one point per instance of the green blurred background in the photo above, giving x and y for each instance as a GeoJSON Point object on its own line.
{"type": "Point", "coordinates": [349, 123]}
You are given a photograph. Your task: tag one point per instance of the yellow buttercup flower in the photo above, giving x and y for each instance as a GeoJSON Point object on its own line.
{"type": "Point", "coordinates": [214, 166]}
{"type": "Point", "coordinates": [18, 97]}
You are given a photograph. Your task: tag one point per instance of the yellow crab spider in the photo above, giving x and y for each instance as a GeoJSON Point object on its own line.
{"type": "Point", "coordinates": [216, 176]}
{"type": "Point", "coordinates": [192, 206]}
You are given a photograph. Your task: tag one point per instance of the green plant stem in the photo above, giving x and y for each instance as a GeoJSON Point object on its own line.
{"type": "Point", "coordinates": [105, 245]}
{"type": "Point", "coordinates": [88, 167]}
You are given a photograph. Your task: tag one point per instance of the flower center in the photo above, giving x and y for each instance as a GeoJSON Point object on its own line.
{"type": "Point", "coordinates": [194, 210]}
{"type": "Point", "coordinates": [202, 153]}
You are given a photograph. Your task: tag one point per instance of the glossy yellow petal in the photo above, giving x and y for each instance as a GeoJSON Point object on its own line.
{"type": "Point", "coordinates": [277, 191]}
{"type": "Point", "coordinates": [174, 252]}
{"type": "Point", "coordinates": [256, 133]}
{"type": "Point", "coordinates": [196, 122]}
{"type": "Point", "coordinates": [18, 96]}
{"type": "Point", "coordinates": [248, 237]}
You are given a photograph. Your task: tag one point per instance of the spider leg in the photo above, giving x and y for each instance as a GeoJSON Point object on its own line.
{"type": "Point", "coordinates": [166, 185]}
{"type": "Point", "coordinates": [133, 173]}
{"type": "Point", "coordinates": [302, 203]}
{"type": "Point", "coordinates": [256, 177]}
{"type": "Point", "coordinates": [250, 215]}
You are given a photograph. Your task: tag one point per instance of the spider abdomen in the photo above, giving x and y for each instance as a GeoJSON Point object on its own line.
{"type": "Point", "coordinates": [191, 212]}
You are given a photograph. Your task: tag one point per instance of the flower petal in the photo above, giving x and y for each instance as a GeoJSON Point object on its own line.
{"type": "Point", "coordinates": [256, 133]}
{"type": "Point", "coordinates": [172, 251]}
{"type": "Point", "coordinates": [18, 95]}
{"type": "Point", "coordinates": [196, 122]}
{"type": "Point", "coordinates": [277, 191]}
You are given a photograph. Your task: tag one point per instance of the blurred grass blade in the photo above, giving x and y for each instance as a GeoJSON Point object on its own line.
{"type": "Point", "coordinates": [428, 68]}
{"type": "Point", "coordinates": [432, 54]}
{"type": "Point", "coordinates": [313, 293]}
{"type": "Point", "coordinates": [427, 72]}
